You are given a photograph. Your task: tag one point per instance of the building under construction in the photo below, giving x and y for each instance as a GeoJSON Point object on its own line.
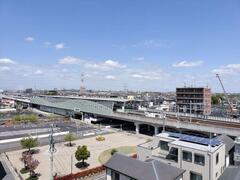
{"type": "Point", "coordinates": [195, 100]}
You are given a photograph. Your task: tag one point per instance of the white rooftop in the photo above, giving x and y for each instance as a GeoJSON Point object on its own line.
{"type": "Point", "coordinates": [194, 146]}
{"type": "Point", "coordinates": [177, 142]}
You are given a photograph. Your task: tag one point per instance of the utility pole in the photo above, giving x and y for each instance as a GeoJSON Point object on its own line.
{"type": "Point", "coordinates": [190, 111]}
{"type": "Point", "coordinates": [52, 149]}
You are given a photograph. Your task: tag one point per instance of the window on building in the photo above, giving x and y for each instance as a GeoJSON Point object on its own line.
{"type": "Point", "coordinates": [173, 154]}
{"type": "Point", "coordinates": [115, 175]}
{"type": "Point", "coordinates": [187, 156]}
{"type": "Point", "coordinates": [195, 176]}
{"type": "Point", "coordinates": [217, 158]}
{"type": "Point", "coordinates": [164, 145]}
{"type": "Point", "coordinates": [199, 159]}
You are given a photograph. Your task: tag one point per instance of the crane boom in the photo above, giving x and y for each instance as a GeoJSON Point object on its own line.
{"type": "Point", "coordinates": [225, 93]}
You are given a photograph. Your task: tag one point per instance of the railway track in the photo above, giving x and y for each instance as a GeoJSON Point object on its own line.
{"type": "Point", "coordinates": [207, 121]}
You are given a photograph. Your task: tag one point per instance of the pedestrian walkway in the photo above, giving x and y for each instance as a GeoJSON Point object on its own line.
{"type": "Point", "coordinates": [6, 171]}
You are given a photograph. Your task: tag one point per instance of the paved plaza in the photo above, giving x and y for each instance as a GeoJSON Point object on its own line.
{"type": "Point", "coordinates": [62, 158]}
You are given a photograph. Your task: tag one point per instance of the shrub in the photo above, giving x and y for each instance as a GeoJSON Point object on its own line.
{"type": "Point", "coordinates": [25, 118]}
{"type": "Point", "coordinates": [113, 151]}
{"type": "Point", "coordinates": [24, 171]}
{"type": "Point", "coordinates": [29, 143]}
{"type": "Point", "coordinates": [69, 137]}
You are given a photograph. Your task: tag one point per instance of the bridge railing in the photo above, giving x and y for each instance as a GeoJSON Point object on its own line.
{"type": "Point", "coordinates": [217, 118]}
{"type": "Point", "coordinates": [187, 115]}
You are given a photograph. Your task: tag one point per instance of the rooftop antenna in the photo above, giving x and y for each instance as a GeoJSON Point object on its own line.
{"type": "Point", "coordinates": [82, 88]}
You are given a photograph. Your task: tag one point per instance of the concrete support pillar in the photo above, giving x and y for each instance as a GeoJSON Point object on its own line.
{"type": "Point", "coordinates": [82, 116]}
{"type": "Point", "coordinates": [137, 128]}
{"type": "Point", "coordinates": [123, 107]}
{"type": "Point", "coordinates": [156, 130]}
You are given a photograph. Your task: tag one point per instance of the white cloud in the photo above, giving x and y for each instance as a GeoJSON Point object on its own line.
{"type": "Point", "coordinates": [4, 68]}
{"type": "Point", "coordinates": [106, 65]}
{"type": "Point", "coordinates": [110, 77]}
{"type": "Point", "coordinates": [64, 70]}
{"type": "Point", "coordinates": [229, 69]}
{"type": "Point", "coordinates": [46, 44]}
{"type": "Point", "coordinates": [146, 76]}
{"type": "Point", "coordinates": [137, 76]}
{"type": "Point", "coordinates": [188, 64]}
{"type": "Point", "coordinates": [7, 61]}
{"type": "Point", "coordinates": [70, 60]}
{"type": "Point", "coordinates": [38, 72]}
{"type": "Point", "coordinates": [139, 58]}
{"type": "Point", "coordinates": [151, 75]}
{"type": "Point", "coordinates": [60, 46]}
{"type": "Point", "coordinates": [233, 66]}
{"type": "Point", "coordinates": [29, 39]}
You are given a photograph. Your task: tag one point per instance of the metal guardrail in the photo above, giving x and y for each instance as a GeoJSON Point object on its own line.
{"type": "Point", "coordinates": [217, 118]}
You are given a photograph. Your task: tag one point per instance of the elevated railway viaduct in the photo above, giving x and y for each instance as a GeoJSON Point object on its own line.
{"type": "Point", "coordinates": [72, 107]}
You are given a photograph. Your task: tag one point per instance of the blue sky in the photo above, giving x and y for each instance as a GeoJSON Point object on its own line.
{"type": "Point", "coordinates": [145, 45]}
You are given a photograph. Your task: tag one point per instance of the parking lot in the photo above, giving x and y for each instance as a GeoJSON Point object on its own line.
{"type": "Point", "coordinates": [64, 159]}
{"type": "Point", "coordinates": [8, 134]}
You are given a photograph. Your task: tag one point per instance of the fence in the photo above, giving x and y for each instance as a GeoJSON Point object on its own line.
{"type": "Point", "coordinates": [82, 174]}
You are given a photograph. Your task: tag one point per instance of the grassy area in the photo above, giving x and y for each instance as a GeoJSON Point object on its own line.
{"type": "Point", "coordinates": [106, 155]}
{"type": "Point", "coordinates": [25, 118]}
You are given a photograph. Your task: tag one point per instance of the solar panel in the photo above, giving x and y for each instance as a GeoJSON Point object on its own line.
{"type": "Point", "coordinates": [195, 139]}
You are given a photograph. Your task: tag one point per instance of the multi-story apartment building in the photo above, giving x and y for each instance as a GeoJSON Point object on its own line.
{"type": "Point", "coordinates": [201, 158]}
{"type": "Point", "coordinates": [194, 100]}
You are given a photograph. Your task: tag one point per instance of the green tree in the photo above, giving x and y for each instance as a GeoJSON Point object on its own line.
{"type": "Point", "coordinates": [113, 151]}
{"type": "Point", "coordinates": [82, 154]}
{"type": "Point", "coordinates": [216, 99]}
{"type": "Point", "coordinates": [69, 137]}
{"type": "Point", "coordinates": [28, 143]}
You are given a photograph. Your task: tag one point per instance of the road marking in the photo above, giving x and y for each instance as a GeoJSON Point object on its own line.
{"type": "Point", "coordinates": [89, 134]}
{"type": "Point", "coordinates": [40, 136]}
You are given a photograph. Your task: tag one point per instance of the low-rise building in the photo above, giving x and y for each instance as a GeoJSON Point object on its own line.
{"type": "Point", "coordinates": [202, 158]}
{"type": "Point", "coordinates": [121, 167]}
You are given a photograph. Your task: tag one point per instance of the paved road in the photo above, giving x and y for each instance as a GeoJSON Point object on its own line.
{"type": "Point", "coordinates": [44, 141]}
{"type": "Point", "coordinates": [37, 129]}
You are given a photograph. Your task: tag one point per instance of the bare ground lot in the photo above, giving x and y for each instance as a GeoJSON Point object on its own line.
{"type": "Point", "coordinates": [62, 158]}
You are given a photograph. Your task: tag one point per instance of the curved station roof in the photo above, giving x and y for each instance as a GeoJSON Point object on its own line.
{"type": "Point", "coordinates": [77, 105]}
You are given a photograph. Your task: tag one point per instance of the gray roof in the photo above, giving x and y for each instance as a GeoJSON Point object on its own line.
{"type": "Point", "coordinates": [231, 173]}
{"type": "Point", "coordinates": [92, 98]}
{"type": "Point", "coordinates": [73, 105]}
{"type": "Point", "coordinates": [140, 170]}
{"type": "Point", "coordinates": [227, 141]}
